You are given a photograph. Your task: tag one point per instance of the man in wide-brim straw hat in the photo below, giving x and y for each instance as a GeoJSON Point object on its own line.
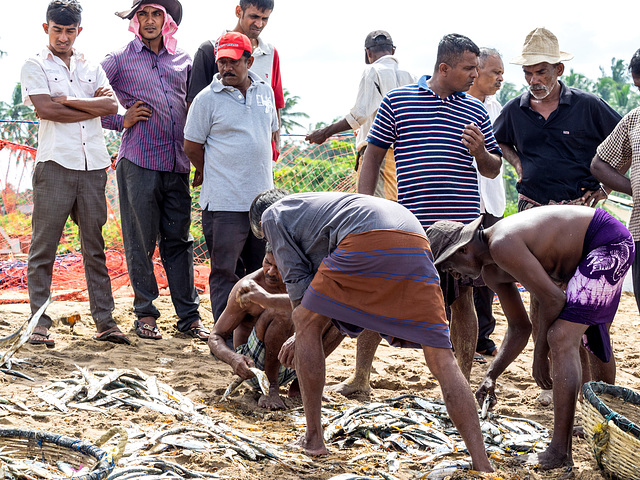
{"type": "Point", "coordinates": [550, 134]}
{"type": "Point", "coordinates": [150, 76]}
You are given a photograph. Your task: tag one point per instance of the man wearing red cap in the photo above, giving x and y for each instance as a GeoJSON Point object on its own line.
{"type": "Point", "coordinates": [150, 77]}
{"type": "Point", "coordinates": [228, 136]}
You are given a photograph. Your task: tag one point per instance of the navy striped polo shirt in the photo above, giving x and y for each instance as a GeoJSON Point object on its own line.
{"type": "Point", "coordinates": [437, 177]}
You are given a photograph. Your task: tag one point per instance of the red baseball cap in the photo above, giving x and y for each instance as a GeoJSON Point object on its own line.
{"type": "Point", "coordinates": [233, 45]}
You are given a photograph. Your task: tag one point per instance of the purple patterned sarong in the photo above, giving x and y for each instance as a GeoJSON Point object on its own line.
{"type": "Point", "coordinates": [593, 293]}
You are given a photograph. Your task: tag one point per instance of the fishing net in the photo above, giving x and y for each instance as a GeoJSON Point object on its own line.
{"type": "Point", "coordinates": [301, 168]}
{"type": "Point", "coordinates": [44, 451]}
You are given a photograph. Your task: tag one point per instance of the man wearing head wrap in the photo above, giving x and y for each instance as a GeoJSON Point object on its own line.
{"type": "Point", "coordinates": [150, 77]}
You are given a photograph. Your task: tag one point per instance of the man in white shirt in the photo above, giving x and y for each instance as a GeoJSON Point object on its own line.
{"type": "Point", "coordinates": [492, 194]}
{"type": "Point", "coordinates": [381, 75]}
{"type": "Point", "coordinates": [70, 95]}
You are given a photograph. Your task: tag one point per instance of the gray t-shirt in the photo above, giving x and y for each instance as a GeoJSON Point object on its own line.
{"type": "Point", "coordinates": [304, 228]}
{"type": "Point", "coordinates": [236, 133]}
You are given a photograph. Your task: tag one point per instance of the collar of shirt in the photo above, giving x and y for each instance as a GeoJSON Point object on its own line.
{"type": "Point", "coordinates": [422, 84]}
{"type": "Point", "coordinates": [218, 86]}
{"type": "Point", "coordinates": [138, 45]}
{"type": "Point", "coordinates": [263, 48]}
{"type": "Point", "coordinates": [76, 57]}
{"type": "Point", "coordinates": [388, 59]}
{"type": "Point", "coordinates": [566, 95]}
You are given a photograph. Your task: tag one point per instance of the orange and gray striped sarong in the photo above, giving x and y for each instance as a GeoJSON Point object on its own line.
{"type": "Point", "coordinates": [382, 280]}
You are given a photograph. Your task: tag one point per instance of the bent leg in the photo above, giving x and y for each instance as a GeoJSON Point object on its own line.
{"type": "Point", "coordinates": [459, 401]}
{"type": "Point", "coordinates": [272, 329]}
{"type": "Point", "coordinates": [564, 340]}
{"type": "Point", "coordinates": [464, 329]}
{"type": "Point", "coordinates": [366, 347]}
{"type": "Point", "coordinates": [310, 367]}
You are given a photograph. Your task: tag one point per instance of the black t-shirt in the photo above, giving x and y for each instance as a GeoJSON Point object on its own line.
{"type": "Point", "coordinates": [556, 153]}
{"type": "Point", "coordinates": [203, 70]}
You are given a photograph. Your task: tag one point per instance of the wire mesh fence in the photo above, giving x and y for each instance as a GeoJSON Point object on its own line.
{"type": "Point", "coordinates": [301, 168]}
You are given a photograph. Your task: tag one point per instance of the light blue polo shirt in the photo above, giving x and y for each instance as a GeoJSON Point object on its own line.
{"type": "Point", "coordinates": [236, 133]}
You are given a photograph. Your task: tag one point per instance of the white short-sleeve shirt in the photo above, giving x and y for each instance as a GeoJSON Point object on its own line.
{"type": "Point", "coordinates": [77, 145]}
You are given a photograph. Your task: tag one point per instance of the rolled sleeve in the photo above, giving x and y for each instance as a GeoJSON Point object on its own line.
{"type": "Point", "coordinates": [367, 101]}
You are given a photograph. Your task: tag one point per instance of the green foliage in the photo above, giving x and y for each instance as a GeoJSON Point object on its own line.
{"type": "Point", "coordinates": [288, 117]}
{"type": "Point", "coordinates": [331, 166]}
{"type": "Point", "coordinates": [21, 133]}
{"type": "Point", "coordinates": [507, 92]}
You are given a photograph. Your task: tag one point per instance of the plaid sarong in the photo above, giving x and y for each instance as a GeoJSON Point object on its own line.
{"type": "Point", "coordinates": [255, 350]}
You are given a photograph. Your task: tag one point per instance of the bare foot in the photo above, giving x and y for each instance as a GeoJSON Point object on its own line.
{"type": "Point", "coordinates": [545, 398]}
{"type": "Point", "coordinates": [294, 389]}
{"type": "Point", "coordinates": [546, 460]}
{"type": "Point", "coordinates": [271, 402]}
{"type": "Point", "coordinates": [301, 444]}
{"type": "Point", "coordinates": [350, 386]}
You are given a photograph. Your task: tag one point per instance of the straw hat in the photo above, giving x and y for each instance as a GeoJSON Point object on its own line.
{"type": "Point", "coordinates": [541, 46]}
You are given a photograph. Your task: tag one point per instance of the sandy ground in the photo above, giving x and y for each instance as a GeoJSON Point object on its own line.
{"type": "Point", "coordinates": [185, 364]}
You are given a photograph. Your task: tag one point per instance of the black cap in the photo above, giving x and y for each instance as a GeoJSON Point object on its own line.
{"type": "Point", "coordinates": [173, 8]}
{"type": "Point", "coordinates": [378, 37]}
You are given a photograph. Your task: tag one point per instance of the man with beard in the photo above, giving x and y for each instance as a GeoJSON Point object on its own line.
{"type": "Point", "coordinates": [150, 76]}
{"type": "Point", "coordinates": [228, 138]}
{"type": "Point", "coordinates": [550, 134]}
{"type": "Point", "coordinates": [253, 16]}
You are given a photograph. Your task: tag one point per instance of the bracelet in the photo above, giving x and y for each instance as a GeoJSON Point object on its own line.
{"type": "Point", "coordinates": [606, 195]}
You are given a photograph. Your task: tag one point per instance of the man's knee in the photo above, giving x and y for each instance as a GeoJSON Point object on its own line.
{"type": "Point", "coordinates": [565, 337]}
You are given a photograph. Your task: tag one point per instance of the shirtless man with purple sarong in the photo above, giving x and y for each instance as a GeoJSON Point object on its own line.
{"type": "Point", "coordinates": [589, 251]}
{"type": "Point", "coordinates": [359, 262]}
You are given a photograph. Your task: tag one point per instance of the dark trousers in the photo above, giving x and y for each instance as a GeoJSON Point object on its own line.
{"type": "Point", "coordinates": [483, 301]}
{"type": "Point", "coordinates": [57, 194]}
{"type": "Point", "coordinates": [234, 252]}
{"type": "Point", "coordinates": [635, 274]}
{"type": "Point", "coordinates": [156, 207]}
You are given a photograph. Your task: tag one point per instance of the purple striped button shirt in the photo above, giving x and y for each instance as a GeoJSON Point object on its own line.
{"type": "Point", "coordinates": [160, 81]}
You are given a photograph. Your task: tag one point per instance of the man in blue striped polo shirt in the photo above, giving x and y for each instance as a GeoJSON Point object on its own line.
{"type": "Point", "coordinates": [436, 131]}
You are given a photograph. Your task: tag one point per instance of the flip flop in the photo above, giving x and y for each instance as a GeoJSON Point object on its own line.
{"type": "Point", "coordinates": [198, 331]}
{"type": "Point", "coordinates": [113, 335]}
{"type": "Point", "coordinates": [42, 339]}
{"type": "Point", "coordinates": [146, 331]}
{"type": "Point", "coordinates": [479, 358]}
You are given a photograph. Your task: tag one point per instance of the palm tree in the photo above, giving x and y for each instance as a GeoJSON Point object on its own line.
{"type": "Point", "coordinates": [18, 111]}
{"type": "Point", "coordinates": [287, 115]}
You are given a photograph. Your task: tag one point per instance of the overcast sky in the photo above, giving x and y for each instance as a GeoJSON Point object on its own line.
{"type": "Point", "coordinates": [321, 43]}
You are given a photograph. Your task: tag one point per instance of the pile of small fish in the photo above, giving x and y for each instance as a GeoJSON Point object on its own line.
{"type": "Point", "coordinates": [419, 431]}
{"type": "Point", "coordinates": [13, 342]}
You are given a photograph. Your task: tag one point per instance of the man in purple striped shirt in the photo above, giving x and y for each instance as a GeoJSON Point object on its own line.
{"type": "Point", "coordinates": [150, 77]}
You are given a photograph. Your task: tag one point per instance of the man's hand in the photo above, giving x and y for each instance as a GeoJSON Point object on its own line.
{"type": "Point", "coordinates": [241, 364]}
{"type": "Point", "coordinates": [541, 368]}
{"type": "Point", "coordinates": [250, 292]}
{"type": "Point", "coordinates": [473, 139]}
{"type": "Point", "coordinates": [197, 179]}
{"type": "Point", "coordinates": [103, 92]}
{"type": "Point", "coordinates": [590, 198]}
{"type": "Point", "coordinates": [487, 389]}
{"type": "Point", "coordinates": [318, 136]}
{"type": "Point", "coordinates": [61, 100]}
{"type": "Point", "coordinates": [137, 112]}
{"type": "Point", "coordinates": [287, 353]}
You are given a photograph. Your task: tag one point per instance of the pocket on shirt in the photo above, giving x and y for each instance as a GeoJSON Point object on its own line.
{"type": "Point", "coordinates": [88, 85]}
{"type": "Point", "coordinates": [58, 85]}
